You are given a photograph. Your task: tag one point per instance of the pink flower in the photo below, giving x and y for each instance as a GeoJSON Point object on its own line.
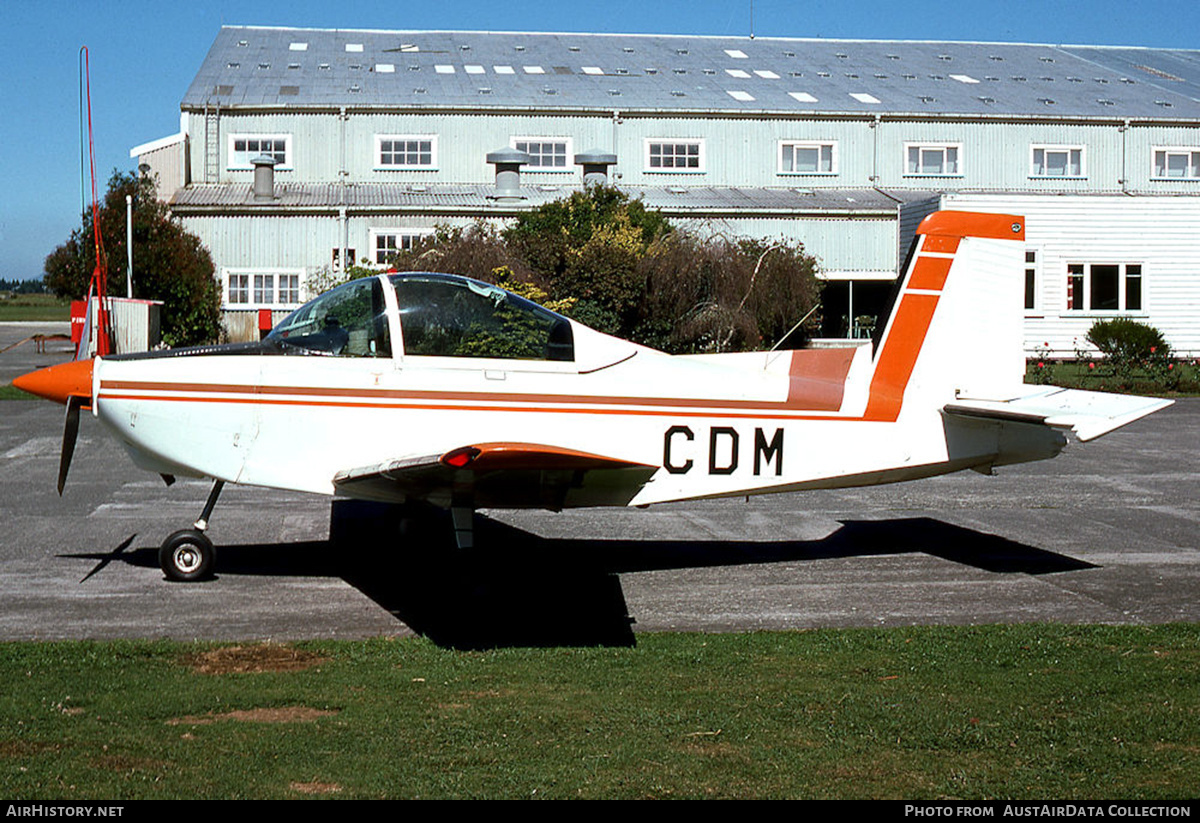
{"type": "Point", "coordinates": [1041, 365]}
{"type": "Point", "coordinates": [1153, 349]}
{"type": "Point", "coordinates": [1091, 365]}
{"type": "Point", "coordinates": [1170, 366]}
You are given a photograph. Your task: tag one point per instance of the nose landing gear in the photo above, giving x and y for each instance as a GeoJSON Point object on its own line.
{"type": "Point", "coordinates": [188, 555]}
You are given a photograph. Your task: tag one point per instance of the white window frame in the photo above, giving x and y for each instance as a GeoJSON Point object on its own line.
{"type": "Point", "coordinates": [413, 234]}
{"type": "Point", "coordinates": [1193, 162]}
{"type": "Point", "coordinates": [819, 145]}
{"type": "Point", "coordinates": [227, 275]}
{"type": "Point", "coordinates": [1123, 277]}
{"type": "Point", "coordinates": [433, 153]}
{"type": "Point", "coordinates": [1056, 148]}
{"type": "Point", "coordinates": [929, 146]}
{"type": "Point", "coordinates": [699, 142]}
{"type": "Point", "coordinates": [240, 160]}
{"type": "Point", "coordinates": [568, 155]}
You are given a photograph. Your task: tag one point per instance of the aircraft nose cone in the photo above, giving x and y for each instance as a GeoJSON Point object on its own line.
{"type": "Point", "coordinates": [59, 382]}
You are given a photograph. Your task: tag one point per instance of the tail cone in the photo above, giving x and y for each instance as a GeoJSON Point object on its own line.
{"type": "Point", "coordinates": [57, 383]}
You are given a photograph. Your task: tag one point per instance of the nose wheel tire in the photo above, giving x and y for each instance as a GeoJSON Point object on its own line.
{"type": "Point", "coordinates": [186, 556]}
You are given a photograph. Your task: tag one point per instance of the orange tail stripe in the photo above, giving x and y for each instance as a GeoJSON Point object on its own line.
{"type": "Point", "coordinates": [930, 273]}
{"type": "Point", "coordinates": [898, 356]}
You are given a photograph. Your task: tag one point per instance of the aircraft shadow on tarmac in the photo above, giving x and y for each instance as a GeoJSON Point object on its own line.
{"type": "Point", "coordinates": [519, 589]}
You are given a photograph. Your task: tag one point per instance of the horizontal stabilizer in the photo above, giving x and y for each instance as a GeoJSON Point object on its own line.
{"type": "Point", "coordinates": [1088, 414]}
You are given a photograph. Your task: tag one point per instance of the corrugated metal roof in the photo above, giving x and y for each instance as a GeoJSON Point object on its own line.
{"type": "Point", "coordinates": [298, 68]}
{"type": "Point", "coordinates": [459, 198]}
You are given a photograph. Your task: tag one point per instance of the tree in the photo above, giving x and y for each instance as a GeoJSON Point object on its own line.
{"type": "Point", "coordinates": [169, 264]}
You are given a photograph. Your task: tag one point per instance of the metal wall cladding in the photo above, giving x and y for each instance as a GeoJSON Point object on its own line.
{"type": "Point", "coordinates": [167, 166]}
{"type": "Point", "coordinates": [135, 323]}
{"type": "Point", "coordinates": [1159, 233]}
{"type": "Point", "coordinates": [735, 151]}
{"type": "Point", "coordinates": [840, 245]}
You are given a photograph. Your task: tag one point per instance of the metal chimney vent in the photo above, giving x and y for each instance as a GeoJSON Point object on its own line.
{"type": "Point", "coordinates": [264, 178]}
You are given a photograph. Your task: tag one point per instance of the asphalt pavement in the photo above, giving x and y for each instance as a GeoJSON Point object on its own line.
{"type": "Point", "coordinates": [1106, 533]}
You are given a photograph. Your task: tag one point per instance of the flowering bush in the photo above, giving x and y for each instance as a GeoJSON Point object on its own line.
{"type": "Point", "coordinates": [1128, 345]}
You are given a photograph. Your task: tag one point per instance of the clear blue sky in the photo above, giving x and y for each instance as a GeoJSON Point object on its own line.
{"type": "Point", "coordinates": [144, 54]}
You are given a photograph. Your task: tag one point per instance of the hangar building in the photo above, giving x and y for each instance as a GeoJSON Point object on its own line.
{"type": "Point", "coordinates": [378, 136]}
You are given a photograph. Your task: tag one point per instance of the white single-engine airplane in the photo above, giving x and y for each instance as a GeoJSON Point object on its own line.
{"type": "Point", "coordinates": [439, 388]}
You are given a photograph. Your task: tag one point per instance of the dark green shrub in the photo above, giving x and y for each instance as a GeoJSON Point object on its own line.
{"type": "Point", "coordinates": [1128, 346]}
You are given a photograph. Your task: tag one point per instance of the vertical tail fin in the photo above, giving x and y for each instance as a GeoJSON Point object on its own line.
{"type": "Point", "coordinates": [956, 327]}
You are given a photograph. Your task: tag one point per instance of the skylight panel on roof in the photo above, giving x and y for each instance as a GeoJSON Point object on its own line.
{"type": "Point", "coordinates": [504, 70]}
{"type": "Point", "coordinates": [736, 54]}
{"type": "Point", "coordinates": [443, 68]}
{"type": "Point", "coordinates": [963, 78]}
{"type": "Point", "coordinates": [863, 97]}
{"type": "Point", "coordinates": [409, 47]}
{"type": "Point", "coordinates": [593, 70]}
{"type": "Point", "coordinates": [738, 73]}
{"type": "Point", "coordinates": [534, 69]}
{"type": "Point", "coordinates": [802, 97]}
{"type": "Point", "coordinates": [766, 74]}
{"type": "Point", "coordinates": [473, 69]}
{"type": "Point", "coordinates": [354, 47]}
{"type": "Point", "coordinates": [298, 46]}
{"type": "Point", "coordinates": [385, 68]}
{"type": "Point", "coordinates": [743, 96]}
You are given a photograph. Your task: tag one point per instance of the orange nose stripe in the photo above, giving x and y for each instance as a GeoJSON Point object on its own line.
{"type": "Point", "coordinates": [59, 382]}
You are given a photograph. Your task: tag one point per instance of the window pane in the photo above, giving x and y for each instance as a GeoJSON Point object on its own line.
{"type": "Point", "coordinates": [931, 161]}
{"type": "Point", "coordinates": [1039, 162]}
{"type": "Point", "coordinates": [264, 288]}
{"type": "Point", "coordinates": [807, 159]}
{"type": "Point", "coordinates": [1133, 288]}
{"type": "Point", "coordinates": [1056, 163]}
{"type": "Point", "coordinates": [1105, 288]}
{"type": "Point", "coordinates": [350, 320]}
{"type": "Point", "coordinates": [1030, 288]}
{"type": "Point", "coordinates": [1177, 165]}
{"type": "Point", "coordinates": [914, 160]}
{"type": "Point", "coordinates": [1075, 286]}
{"type": "Point", "coordinates": [449, 318]}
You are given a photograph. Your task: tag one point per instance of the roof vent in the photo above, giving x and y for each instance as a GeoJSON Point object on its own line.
{"type": "Point", "coordinates": [595, 164]}
{"type": "Point", "coordinates": [508, 162]}
{"type": "Point", "coordinates": [264, 178]}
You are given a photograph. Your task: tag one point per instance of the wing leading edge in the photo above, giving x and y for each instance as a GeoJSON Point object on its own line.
{"type": "Point", "coordinates": [1088, 414]}
{"type": "Point", "coordinates": [510, 475]}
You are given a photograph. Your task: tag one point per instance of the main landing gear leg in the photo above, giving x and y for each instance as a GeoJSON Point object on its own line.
{"type": "Point", "coordinates": [189, 555]}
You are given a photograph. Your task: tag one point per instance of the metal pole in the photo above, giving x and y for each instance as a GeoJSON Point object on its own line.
{"type": "Point", "coordinates": [129, 246]}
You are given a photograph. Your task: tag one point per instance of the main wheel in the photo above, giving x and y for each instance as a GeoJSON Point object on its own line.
{"type": "Point", "coordinates": [186, 556]}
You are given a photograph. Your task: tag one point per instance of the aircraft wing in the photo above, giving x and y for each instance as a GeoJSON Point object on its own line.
{"type": "Point", "coordinates": [500, 474]}
{"type": "Point", "coordinates": [1088, 414]}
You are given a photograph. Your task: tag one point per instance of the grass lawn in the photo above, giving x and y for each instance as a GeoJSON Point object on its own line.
{"type": "Point", "coordinates": [1013, 712]}
{"type": "Point", "coordinates": [30, 307]}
